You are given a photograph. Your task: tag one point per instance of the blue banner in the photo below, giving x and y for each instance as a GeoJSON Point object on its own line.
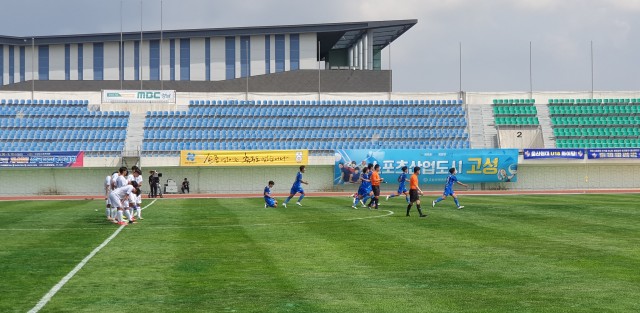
{"type": "Point", "coordinates": [42, 159]}
{"type": "Point", "coordinates": [473, 165]}
{"type": "Point", "coordinates": [553, 153]}
{"type": "Point", "coordinates": [633, 153]}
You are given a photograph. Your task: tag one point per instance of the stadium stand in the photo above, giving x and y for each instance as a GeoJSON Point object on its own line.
{"type": "Point", "coordinates": [306, 124]}
{"type": "Point", "coordinates": [595, 123]}
{"type": "Point", "coordinates": [515, 112]}
{"type": "Point", "coordinates": [60, 125]}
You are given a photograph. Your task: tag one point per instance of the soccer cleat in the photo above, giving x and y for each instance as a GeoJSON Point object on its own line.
{"type": "Point", "coordinates": [284, 204]}
{"type": "Point", "coordinates": [298, 203]}
{"type": "Point", "coordinates": [140, 218]}
{"type": "Point", "coordinates": [433, 203]}
{"type": "Point", "coordinates": [387, 198]}
{"type": "Point", "coordinates": [132, 222]}
{"type": "Point", "coordinates": [423, 215]}
{"type": "Point", "coordinates": [354, 207]}
{"type": "Point", "coordinates": [122, 223]}
{"type": "Point", "coordinates": [407, 214]}
{"type": "Point", "coordinates": [265, 205]}
{"type": "Point", "coordinates": [461, 207]}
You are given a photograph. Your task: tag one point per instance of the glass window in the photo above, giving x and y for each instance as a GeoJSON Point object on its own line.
{"type": "Point", "coordinates": [22, 64]}
{"type": "Point", "coordinates": [267, 54]}
{"type": "Point", "coordinates": [279, 53]}
{"type": "Point", "coordinates": [80, 62]}
{"type": "Point", "coordinates": [207, 59]}
{"type": "Point", "coordinates": [294, 51]}
{"type": "Point", "coordinates": [43, 62]}
{"type": "Point", "coordinates": [154, 59]}
{"type": "Point", "coordinates": [67, 62]}
{"type": "Point", "coordinates": [1, 65]}
{"type": "Point", "coordinates": [245, 56]}
{"type": "Point", "coordinates": [11, 65]}
{"type": "Point", "coordinates": [230, 57]}
{"type": "Point", "coordinates": [185, 59]}
{"type": "Point", "coordinates": [136, 60]}
{"type": "Point", "coordinates": [98, 61]}
{"type": "Point", "coordinates": [172, 59]}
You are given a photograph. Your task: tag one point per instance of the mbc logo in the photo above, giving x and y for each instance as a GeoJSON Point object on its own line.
{"type": "Point", "coordinates": [148, 95]}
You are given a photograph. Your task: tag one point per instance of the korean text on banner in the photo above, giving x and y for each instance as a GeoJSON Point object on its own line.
{"type": "Point", "coordinates": [243, 158]}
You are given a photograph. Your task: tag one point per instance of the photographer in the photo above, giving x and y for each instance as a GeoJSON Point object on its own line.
{"type": "Point", "coordinates": [154, 182]}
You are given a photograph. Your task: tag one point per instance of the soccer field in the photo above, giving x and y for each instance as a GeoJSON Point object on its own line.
{"type": "Point", "coordinates": [561, 253]}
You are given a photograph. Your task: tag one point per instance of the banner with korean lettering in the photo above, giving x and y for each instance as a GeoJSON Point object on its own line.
{"type": "Point", "coordinates": [243, 158]}
{"type": "Point", "coordinates": [42, 159]}
{"type": "Point", "coordinates": [553, 154]}
{"type": "Point", "coordinates": [620, 153]}
{"type": "Point", "coordinates": [139, 96]}
{"type": "Point", "coordinates": [473, 165]}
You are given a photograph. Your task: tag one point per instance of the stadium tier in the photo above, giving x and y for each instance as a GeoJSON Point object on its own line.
{"type": "Point", "coordinates": [60, 125]}
{"type": "Point", "coordinates": [515, 112]}
{"type": "Point", "coordinates": [595, 123]}
{"type": "Point", "coordinates": [300, 124]}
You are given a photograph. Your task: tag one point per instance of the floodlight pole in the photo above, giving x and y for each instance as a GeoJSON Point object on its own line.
{"type": "Point", "coordinates": [140, 49]}
{"type": "Point", "coordinates": [33, 76]}
{"type": "Point", "coordinates": [247, 72]}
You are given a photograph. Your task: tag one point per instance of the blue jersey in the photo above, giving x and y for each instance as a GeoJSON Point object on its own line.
{"type": "Point", "coordinates": [298, 183]}
{"type": "Point", "coordinates": [402, 179]}
{"type": "Point", "coordinates": [267, 193]}
{"type": "Point", "coordinates": [448, 187]}
{"type": "Point", "coordinates": [367, 176]}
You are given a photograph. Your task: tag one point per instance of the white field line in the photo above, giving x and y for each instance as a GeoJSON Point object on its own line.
{"type": "Point", "coordinates": [78, 267]}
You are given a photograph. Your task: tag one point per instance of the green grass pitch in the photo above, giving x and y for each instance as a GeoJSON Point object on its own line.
{"type": "Point", "coordinates": [561, 253]}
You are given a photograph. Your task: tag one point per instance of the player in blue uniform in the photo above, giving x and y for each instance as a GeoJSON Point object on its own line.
{"type": "Point", "coordinates": [402, 188]}
{"type": "Point", "coordinates": [448, 189]}
{"type": "Point", "coordinates": [297, 188]}
{"type": "Point", "coordinates": [364, 190]}
{"type": "Point", "coordinates": [269, 201]}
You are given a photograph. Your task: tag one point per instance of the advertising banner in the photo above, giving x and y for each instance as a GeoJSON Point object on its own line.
{"type": "Point", "coordinates": [139, 96]}
{"type": "Point", "coordinates": [42, 159]}
{"type": "Point", "coordinates": [243, 158]}
{"type": "Point", "coordinates": [632, 153]}
{"type": "Point", "coordinates": [473, 165]}
{"type": "Point", "coordinates": [553, 153]}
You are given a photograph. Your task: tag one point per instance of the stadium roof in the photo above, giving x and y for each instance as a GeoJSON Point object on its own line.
{"type": "Point", "coordinates": [331, 36]}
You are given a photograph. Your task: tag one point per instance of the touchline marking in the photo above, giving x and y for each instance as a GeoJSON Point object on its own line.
{"type": "Point", "coordinates": [78, 267]}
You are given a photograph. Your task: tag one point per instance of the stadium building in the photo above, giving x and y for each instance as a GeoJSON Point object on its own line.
{"type": "Point", "coordinates": [147, 98]}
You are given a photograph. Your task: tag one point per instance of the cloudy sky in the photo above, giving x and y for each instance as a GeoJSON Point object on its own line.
{"type": "Point", "coordinates": [495, 35]}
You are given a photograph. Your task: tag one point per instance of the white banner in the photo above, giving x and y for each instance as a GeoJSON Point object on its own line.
{"type": "Point", "coordinates": [138, 96]}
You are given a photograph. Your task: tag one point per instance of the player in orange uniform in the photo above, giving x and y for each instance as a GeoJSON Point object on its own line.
{"type": "Point", "coordinates": [415, 192]}
{"type": "Point", "coordinates": [375, 186]}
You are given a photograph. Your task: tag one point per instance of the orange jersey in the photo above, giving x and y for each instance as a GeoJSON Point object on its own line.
{"type": "Point", "coordinates": [375, 179]}
{"type": "Point", "coordinates": [413, 182]}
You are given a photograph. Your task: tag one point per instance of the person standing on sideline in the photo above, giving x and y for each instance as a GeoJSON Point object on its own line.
{"type": "Point", "coordinates": [269, 201]}
{"type": "Point", "coordinates": [297, 188]}
{"type": "Point", "coordinates": [375, 186]}
{"type": "Point", "coordinates": [402, 188]}
{"type": "Point", "coordinates": [185, 186]}
{"type": "Point", "coordinates": [448, 189]}
{"type": "Point", "coordinates": [415, 192]}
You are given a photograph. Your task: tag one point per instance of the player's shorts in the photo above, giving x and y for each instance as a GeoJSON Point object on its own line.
{"type": "Point", "coordinates": [414, 195]}
{"type": "Point", "coordinates": [270, 202]}
{"type": "Point", "coordinates": [295, 190]}
{"type": "Point", "coordinates": [448, 192]}
{"type": "Point", "coordinates": [402, 189]}
{"type": "Point", "coordinates": [107, 191]}
{"type": "Point", "coordinates": [114, 200]}
{"type": "Point", "coordinates": [376, 190]}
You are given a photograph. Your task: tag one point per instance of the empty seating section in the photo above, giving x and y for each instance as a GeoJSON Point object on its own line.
{"type": "Point", "coordinates": [595, 123]}
{"type": "Point", "coordinates": [515, 112]}
{"type": "Point", "coordinates": [60, 125]}
{"type": "Point", "coordinates": [300, 124]}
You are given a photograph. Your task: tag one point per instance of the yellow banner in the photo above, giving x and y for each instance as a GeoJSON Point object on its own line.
{"type": "Point", "coordinates": [243, 158]}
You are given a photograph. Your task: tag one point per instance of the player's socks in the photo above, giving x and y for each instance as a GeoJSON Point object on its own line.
{"type": "Point", "coordinates": [391, 196]}
{"type": "Point", "coordinates": [355, 201]}
{"type": "Point", "coordinates": [114, 213]}
{"type": "Point", "coordinates": [127, 213]}
{"type": "Point", "coordinates": [456, 201]}
{"type": "Point", "coordinates": [408, 209]}
{"type": "Point", "coordinates": [119, 216]}
{"type": "Point", "coordinates": [301, 197]}
{"type": "Point", "coordinates": [407, 198]}
{"type": "Point", "coordinates": [420, 211]}
{"type": "Point", "coordinates": [287, 201]}
{"type": "Point", "coordinates": [438, 200]}
{"type": "Point", "coordinates": [108, 212]}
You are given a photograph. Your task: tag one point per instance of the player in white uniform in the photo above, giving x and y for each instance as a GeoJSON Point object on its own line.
{"type": "Point", "coordinates": [107, 191]}
{"type": "Point", "coordinates": [137, 210]}
{"type": "Point", "coordinates": [116, 196]}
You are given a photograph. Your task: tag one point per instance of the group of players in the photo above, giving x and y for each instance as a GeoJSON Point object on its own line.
{"type": "Point", "coordinates": [122, 196]}
{"type": "Point", "coordinates": [369, 188]}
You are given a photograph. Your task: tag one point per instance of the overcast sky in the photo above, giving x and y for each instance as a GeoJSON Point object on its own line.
{"type": "Point", "coordinates": [494, 35]}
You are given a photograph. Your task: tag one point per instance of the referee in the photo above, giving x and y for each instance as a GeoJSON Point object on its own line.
{"type": "Point", "coordinates": [415, 192]}
{"type": "Point", "coordinates": [375, 185]}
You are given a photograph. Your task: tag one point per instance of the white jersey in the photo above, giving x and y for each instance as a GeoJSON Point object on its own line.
{"type": "Point", "coordinates": [139, 180]}
{"type": "Point", "coordinates": [124, 191]}
{"type": "Point", "coordinates": [107, 182]}
{"type": "Point", "coordinates": [121, 182]}
{"type": "Point", "coordinates": [130, 178]}
{"type": "Point", "coordinates": [114, 179]}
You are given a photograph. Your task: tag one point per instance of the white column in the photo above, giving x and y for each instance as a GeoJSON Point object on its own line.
{"type": "Point", "coordinates": [177, 59]}
{"type": "Point", "coordinates": [5, 64]}
{"type": "Point", "coordinates": [287, 53]}
{"type": "Point", "coordinates": [257, 55]}
{"type": "Point", "coordinates": [197, 66]}
{"type": "Point", "coordinates": [370, 49]}
{"type": "Point", "coordinates": [308, 51]}
{"type": "Point", "coordinates": [217, 58]}
{"type": "Point", "coordinates": [144, 60]}
{"type": "Point", "coordinates": [238, 57]}
{"type": "Point", "coordinates": [111, 61]}
{"type": "Point", "coordinates": [129, 60]}
{"type": "Point", "coordinates": [73, 62]}
{"type": "Point", "coordinates": [56, 62]}
{"type": "Point", "coordinates": [165, 57]}
{"type": "Point", "coordinates": [272, 40]}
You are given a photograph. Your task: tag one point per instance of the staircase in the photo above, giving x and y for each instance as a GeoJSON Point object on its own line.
{"type": "Point", "coordinates": [133, 143]}
{"type": "Point", "coordinates": [545, 123]}
{"type": "Point", "coordinates": [482, 131]}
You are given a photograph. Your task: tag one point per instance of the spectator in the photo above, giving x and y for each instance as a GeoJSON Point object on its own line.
{"type": "Point", "coordinates": [185, 186]}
